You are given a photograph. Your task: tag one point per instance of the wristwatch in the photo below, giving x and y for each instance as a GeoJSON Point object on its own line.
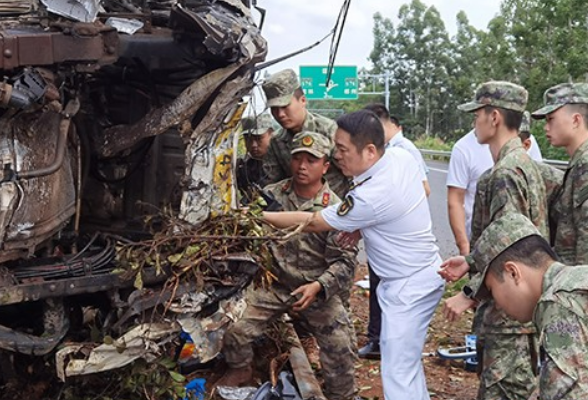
{"type": "Point", "coordinates": [468, 292]}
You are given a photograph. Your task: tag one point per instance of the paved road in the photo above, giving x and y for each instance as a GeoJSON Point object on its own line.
{"type": "Point", "coordinates": [438, 206]}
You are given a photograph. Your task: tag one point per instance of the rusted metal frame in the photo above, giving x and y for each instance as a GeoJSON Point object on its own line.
{"type": "Point", "coordinates": [306, 381]}
{"type": "Point", "coordinates": [69, 287]}
{"type": "Point", "coordinates": [56, 326]}
{"type": "Point", "coordinates": [35, 48]}
{"type": "Point", "coordinates": [70, 110]}
{"type": "Point", "coordinates": [184, 106]}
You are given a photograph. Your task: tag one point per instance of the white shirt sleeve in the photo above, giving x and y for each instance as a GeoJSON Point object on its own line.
{"type": "Point", "coordinates": [361, 215]}
{"type": "Point", "coordinates": [459, 171]}
{"type": "Point", "coordinates": [535, 151]}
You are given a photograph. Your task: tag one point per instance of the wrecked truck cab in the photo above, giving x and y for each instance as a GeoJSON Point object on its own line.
{"type": "Point", "coordinates": [109, 111]}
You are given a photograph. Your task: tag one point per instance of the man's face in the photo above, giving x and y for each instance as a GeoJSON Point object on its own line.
{"type": "Point", "coordinates": [483, 126]}
{"type": "Point", "coordinates": [512, 295]}
{"type": "Point", "coordinates": [559, 128]}
{"type": "Point", "coordinates": [308, 169]}
{"type": "Point", "coordinates": [292, 116]}
{"type": "Point", "coordinates": [258, 145]}
{"type": "Point", "coordinates": [351, 161]}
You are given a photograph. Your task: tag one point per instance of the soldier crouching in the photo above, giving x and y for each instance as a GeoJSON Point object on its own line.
{"type": "Point", "coordinates": [311, 269]}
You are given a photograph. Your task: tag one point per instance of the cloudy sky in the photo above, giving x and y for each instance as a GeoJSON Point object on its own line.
{"type": "Point", "coordinates": [293, 24]}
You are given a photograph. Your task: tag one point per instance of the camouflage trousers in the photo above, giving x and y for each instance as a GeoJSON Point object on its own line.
{"type": "Point", "coordinates": [328, 321]}
{"type": "Point", "coordinates": [507, 371]}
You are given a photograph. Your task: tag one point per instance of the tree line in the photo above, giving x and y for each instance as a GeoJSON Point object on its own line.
{"type": "Point", "coordinates": [535, 43]}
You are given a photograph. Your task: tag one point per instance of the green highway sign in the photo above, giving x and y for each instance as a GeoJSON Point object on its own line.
{"type": "Point", "coordinates": [343, 84]}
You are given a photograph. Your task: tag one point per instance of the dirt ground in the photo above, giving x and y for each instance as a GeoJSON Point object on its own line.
{"type": "Point", "coordinates": [446, 380]}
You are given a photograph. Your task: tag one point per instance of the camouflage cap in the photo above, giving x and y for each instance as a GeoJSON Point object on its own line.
{"type": "Point", "coordinates": [279, 88]}
{"type": "Point", "coordinates": [311, 142]}
{"type": "Point", "coordinates": [496, 238]}
{"type": "Point", "coordinates": [499, 94]}
{"type": "Point", "coordinates": [560, 95]}
{"type": "Point", "coordinates": [257, 125]}
{"type": "Point", "coordinates": [526, 122]}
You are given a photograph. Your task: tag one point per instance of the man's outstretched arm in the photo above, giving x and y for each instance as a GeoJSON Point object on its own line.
{"type": "Point", "coordinates": [315, 221]}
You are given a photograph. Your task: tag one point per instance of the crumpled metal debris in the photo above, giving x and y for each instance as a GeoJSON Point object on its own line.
{"type": "Point", "coordinates": [79, 10]}
{"type": "Point", "coordinates": [191, 302]}
{"type": "Point", "coordinates": [143, 341]}
{"type": "Point", "coordinates": [125, 25]}
{"type": "Point", "coordinates": [236, 393]}
{"type": "Point", "coordinates": [207, 333]}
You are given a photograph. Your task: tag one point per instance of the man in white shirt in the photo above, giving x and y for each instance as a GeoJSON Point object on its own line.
{"type": "Point", "coordinates": [469, 159]}
{"type": "Point", "coordinates": [534, 150]}
{"type": "Point", "coordinates": [393, 137]}
{"type": "Point", "coordinates": [387, 203]}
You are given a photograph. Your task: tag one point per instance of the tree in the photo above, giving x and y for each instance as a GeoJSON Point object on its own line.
{"type": "Point", "coordinates": [536, 43]}
{"type": "Point", "coordinates": [416, 53]}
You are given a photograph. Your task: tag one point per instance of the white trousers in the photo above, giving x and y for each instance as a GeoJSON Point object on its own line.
{"type": "Point", "coordinates": [407, 308]}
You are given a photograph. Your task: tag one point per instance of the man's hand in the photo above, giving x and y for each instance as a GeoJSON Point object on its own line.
{"type": "Point", "coordinates": [309, 293]}
{"type": "Point", "coordinates": [348, 240]}
{"type": "Point", "coordinates": [454, 268]}
{"type": "Point", "coordinates": [457, 305]}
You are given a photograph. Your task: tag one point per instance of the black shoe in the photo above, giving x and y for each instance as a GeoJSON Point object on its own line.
{"type": "Point", "coordinates": [370, 351]}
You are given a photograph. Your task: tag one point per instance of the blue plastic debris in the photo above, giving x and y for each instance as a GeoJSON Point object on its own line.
{"type": "Point", "coordinates": [471, 363]}
{"type": "Point", "coordinates": [195, 389]}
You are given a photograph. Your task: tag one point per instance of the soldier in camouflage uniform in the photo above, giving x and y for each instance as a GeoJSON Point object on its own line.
{"type": "Point", "coordinates": [552, 177]}
{"type": "Point", "coordinates": [514, 184]}
{"type": "Point", "coordinates": [288, 106]}
{"type": "Point", "coordinates": [566, 114]}
{"type": "Point", "coordinates": [520, 272]}
{"type": "Point", "coordinates": [311, 270]}
{"type": "Point", "coordinates": [257, 132]}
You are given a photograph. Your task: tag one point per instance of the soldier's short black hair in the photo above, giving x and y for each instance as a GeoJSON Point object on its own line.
{"type": "Point", "coordinates": [524, 135]}
{"type": "Point", "coordinates": [298, 93]}
{"type": "Point", "coordinates": [364, 127]}
{"type": "Point", "coordinates": [581, 109]}
{"type": "Point", "coordinates": [512, 119]}
{"type": "Point", "coordinates": [534, 251]}
{"type": "Point", "coordinates": [382, 112]}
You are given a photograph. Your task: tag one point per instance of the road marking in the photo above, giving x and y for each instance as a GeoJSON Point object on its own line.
{"type": "Point", "coordinates": [438, 170]}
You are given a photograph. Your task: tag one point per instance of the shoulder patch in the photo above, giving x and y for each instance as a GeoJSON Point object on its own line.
{"type": "Point", "coordinates": [346, 206]}
{"type": "Point", "coordinates": [286, 186]}
{"type": "Point", "coordinates": [326, 198]}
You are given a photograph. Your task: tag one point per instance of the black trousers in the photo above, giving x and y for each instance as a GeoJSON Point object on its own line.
{"type": "Point", "coordinates": [375, 321]}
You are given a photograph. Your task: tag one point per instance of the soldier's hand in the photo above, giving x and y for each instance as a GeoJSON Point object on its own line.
{"type": "Point", "coordinates": [308, 292]}
{"type": "Point", "coordinates": [348, 240]}
{"type": "Point", "coordinates": [454, 268]}
{"type": "Point", "coordinates": [457, 305]}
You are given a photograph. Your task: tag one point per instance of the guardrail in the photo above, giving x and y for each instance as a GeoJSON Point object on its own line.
{"type": "Point", "coordinates": [447, 154]}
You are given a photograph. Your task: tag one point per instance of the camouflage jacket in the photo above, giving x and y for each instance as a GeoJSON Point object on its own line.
{"type": "Point", "coordinates": [570, 212]}
{"type": "Point", "coordinates": [249, 171]}
{"type": "Point", "coordinates": [310, 257]}
{"type": "Point", "coordinates": [277, 161]}
{"type": "Point", "coordinates": [561, 318]}
{"type": "Point", "coordinates": [514, 184]}
{"type": "Point", "coordinates": [553, 179]}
